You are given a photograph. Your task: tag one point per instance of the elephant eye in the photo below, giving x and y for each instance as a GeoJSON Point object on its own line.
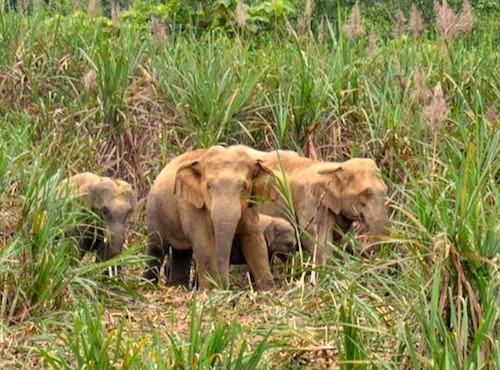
{"type": "Point", "coordinates": [105, 212]}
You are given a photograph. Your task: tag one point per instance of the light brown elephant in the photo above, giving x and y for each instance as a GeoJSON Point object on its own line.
{"type": "Point", "coordinates": [112, 201]}
{"type": "Point", "coordinates": [327, 197]}
{"type": "Point", "coordinates": [197, 205]}
{"type": "Point", "coordinates": [279, 236]}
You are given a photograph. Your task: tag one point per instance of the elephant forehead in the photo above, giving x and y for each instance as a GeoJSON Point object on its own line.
{"type": "Point", "coordinates": [236, 165]}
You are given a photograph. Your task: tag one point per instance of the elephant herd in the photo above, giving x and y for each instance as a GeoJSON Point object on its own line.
{"type": "Point", "coordinates": [230, 205]}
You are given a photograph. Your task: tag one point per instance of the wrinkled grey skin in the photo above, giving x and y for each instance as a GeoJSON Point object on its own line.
{"type": "Point", "coordinates": [279, 235]}
{"type": "Point", "coordinates": [112, 201]}
{"type": "Point", "coordinates": [197, 206]}
{"type": "Point", "coordinates": [328, 197]}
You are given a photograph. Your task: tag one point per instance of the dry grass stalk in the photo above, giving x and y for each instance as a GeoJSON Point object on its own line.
{"type": "Point", "coordinates": [466, 18]}
{"type": "Point", "coordinates": [90, 80]}
{"type": "Point", "coordinates": [437, 111]}
{"type": "Point", "coordinates": [241, 15]}
{"type": "Point", "coordinates": [354, 27]}
{"type": "Point", "coordinates": [446, 21]}
{"type": "Point", "coordinates": [160, 31]}
{"type": "Point", "coordinates": [416, 22]}
{"type": "Point", "coordinates": [94, 8]}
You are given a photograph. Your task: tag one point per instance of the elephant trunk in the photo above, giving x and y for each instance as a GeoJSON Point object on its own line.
{"type": "Point", "coordinates": [376, 224]}
{"type": "Point", "coordinates": [226, 214]}
{"type": "Point", "coordinates": [113, 245]}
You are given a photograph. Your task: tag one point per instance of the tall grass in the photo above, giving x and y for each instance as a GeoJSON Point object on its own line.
{"type": "Point", "coordinates": [428, 300]}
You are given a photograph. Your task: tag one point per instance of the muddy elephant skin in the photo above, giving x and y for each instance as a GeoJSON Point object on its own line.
{"type": "Point", "coordinates": [327, 197]}
{"type": "Point", "coordinates": [197, 205]}
{"type": "Point", "coordinates": [112, 201]}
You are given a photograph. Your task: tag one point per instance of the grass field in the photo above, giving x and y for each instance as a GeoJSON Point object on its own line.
{"type": "Point", "coordinates": [121, 98]}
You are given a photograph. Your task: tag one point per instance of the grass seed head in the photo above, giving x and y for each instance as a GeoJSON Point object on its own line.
{"type": "Point", "coordinates": [24, 5]}
{"type": "Point", "coordinates": [159, 30]}
{"type": "Point", "coordinates": [416, 22]}
{"type": "Point", "coordinates": [94, 8]}
{"type": "Point", "coordinates": [466, 18]}
{"type": "Point", "coordinates": [373, 41]}
{"type": "Point", "coordinates": [321, 31]}
{"type": "Point", "coordinates": [90, 80]}
{"type": "Point", "coordinates": [400, 25]}
{"type": "Point", "coordinates": [446, 21]}
{"type": "Point", "coordinates": [115, 15]}
{"type": "Point", "coordinates": [354, 27]}
{"type": "Point", "coordinates": [241, 15]}
{"type": "Point", "coordinates": [437, 111]}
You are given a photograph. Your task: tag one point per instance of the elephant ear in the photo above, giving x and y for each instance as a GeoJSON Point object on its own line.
{"type": "Point", "coordinates": [83, 186]}
{"type": "Point", "coordinates": [260, 169]}
{"type": "Point", "coordinates": [126, 189]}
{"type": "Point", "coordinates": [188, 184]}
{"type": "Point", "coordinates": [328, 189]}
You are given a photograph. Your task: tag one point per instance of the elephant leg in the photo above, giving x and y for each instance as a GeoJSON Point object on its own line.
{"type": "Point", "coordinates": [255, 251]}
{"type": "Point", "coordinates": [157, 252]}
{"type": "Point", "coordinates": [180, 267]}
{"type": "Point", "coordinates": [257, 258]}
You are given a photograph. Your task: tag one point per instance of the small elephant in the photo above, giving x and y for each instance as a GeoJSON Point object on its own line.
{"type": "Point", "coordinates": [112, 201]}
{"type": "Point", "coordinates": [197, 206]}
{"type": "Point", "coordinates": [279, 235]}
{"type": "Point", "coordinates": [328, 197]}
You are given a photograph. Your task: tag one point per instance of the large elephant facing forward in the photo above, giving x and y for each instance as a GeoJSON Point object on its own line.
{"type": "Point", "coordinates": [197, 205]}
{"type": "Point", "coordinates": [112, 201]}
{"type": "Point", "coordinates": [328, 197]}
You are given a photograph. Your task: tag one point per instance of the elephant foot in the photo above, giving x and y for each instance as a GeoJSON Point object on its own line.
{"type": "Point", "coordinates": [265, 285]}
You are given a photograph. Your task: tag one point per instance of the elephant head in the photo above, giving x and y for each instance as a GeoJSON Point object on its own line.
{"type": "Point", "coordinates": [220, 181]}
{"type": "Point", "coordinates": [279, 234]}
{"type": "Point", "coordinates": [354, 190]}
{"type": "Point", "coordinates": [112, 201]}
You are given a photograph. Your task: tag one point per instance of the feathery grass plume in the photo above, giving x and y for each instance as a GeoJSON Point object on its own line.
{"type": "Point", "coordinates": [416, 22]}
{"type": "Point", "coordinates": [76, 5]}
{"type": "Point", "coordinates": [446, 21]}
{"type": "Point", "coordinates": [466, 18]}
{"type": "Point", "coordinates": [115, 15]}
{"type": "Point", "coordinates": [321, 31]}
{"type": "Point", "coordinates": [241, 15]}
{"type": "Point", "coordinates": [90, 80]}
{"type": "Point", "coordinates": [400, 25]}
{"type": "Point", "coordinates": [159, 30]}
{"type": "Point", "coordinates": [308, 14]}
{"type": "Point", "coordinates": [301, 26]}
{"type": "Point", "coordinates": [492, 117]}
{"type": "Point", "coordinates": [372, 41]}
{"type": "Point", "coordinates": [94, 8]}
{"type": "Point", "coordinates": [437, 111]}
{"type": "Point", "coordinates": [421, 93]}
{"type": "Point", "coordinates": [24, 5]}
{"type": "Point", "coordinates": [354, 27]}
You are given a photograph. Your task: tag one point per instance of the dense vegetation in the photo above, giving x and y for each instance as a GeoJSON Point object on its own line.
{"type": "Point", "coordinates": [122, 95]}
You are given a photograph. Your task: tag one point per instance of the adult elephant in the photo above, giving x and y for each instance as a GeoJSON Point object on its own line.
{"type": "Point", "coordinates": [197, 205]}
{"type": "Point", "coordinates": [112, 201]}
{"type": "Point", "coordinates": [327, 198]}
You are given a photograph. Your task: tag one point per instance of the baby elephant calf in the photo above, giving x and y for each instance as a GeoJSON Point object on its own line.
{"type": "Point", "coordinates": [279, 235]}
{"type": "Point", "coordinates": [112, 201]}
